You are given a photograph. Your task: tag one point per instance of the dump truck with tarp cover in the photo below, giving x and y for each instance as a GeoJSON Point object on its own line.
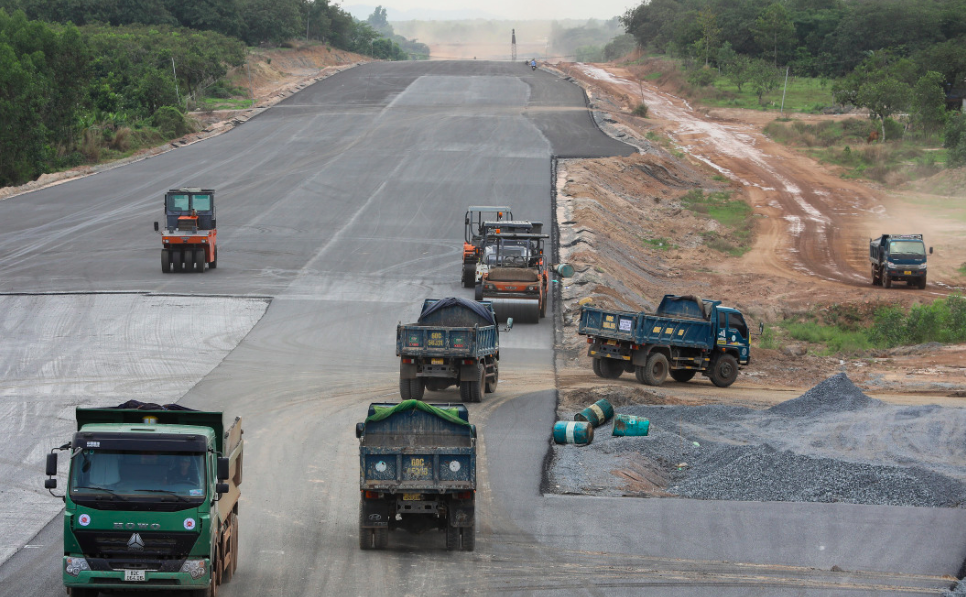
{"type": "Point", "coordinates": [455, 341]}
{"type": "Point", "coordinates": [474, 229]}
{"type": "Point", "coordinates": [418, 473]}
{"type": "Point", "coordinates": [151, 500]}
{"type": "Point", "coordinates": [898, 258]}
{"type": "Point", "coordinates": [686, 335]}
{"type": "Point", "coordinates": [513, 273]}
{"type": "Point", "coordinates": [189, 235]}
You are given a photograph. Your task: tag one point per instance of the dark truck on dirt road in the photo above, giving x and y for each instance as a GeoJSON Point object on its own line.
{"type": "Point", "coordinates": [454, 341]}
{"type": "Point", "coordinates": [685, 336]}
{"type": "Point", "coordinates": [151, 500]}
{"type": "Point", "coordinates": [418, 473]}
{"type": "Point", "coordinates": [898, 258]}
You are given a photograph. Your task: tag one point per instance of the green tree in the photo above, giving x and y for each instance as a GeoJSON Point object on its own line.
{"type": "Point", "coordinates": [883, 98]}
{"type": "Point", "coordinates": [954, 140]}
{"type": "Point", "coordinates": [929, 102]}
{"type": "Point", "coordinates": [774, 30]}
{"type": "Point", "coordinates": [378, 21]}
{"type": "Point", "coordinates": [272, 21]}
{"type": "Point", "coordinates": [763, 76]}
{"type": "Point", "coordinates": [726, 57]}
{"type": "Point", "coordinates": [740, 71]}
{"type": "Point", "coordinates": [710, 32]}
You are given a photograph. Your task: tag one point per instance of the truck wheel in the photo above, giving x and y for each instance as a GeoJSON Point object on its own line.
{"type": "Point", "coordinates": [725, 371]}
{"type": "Point", "coordinates": [417, 387]}
{"type": "Point", "coordinates": [491, 383]}
{"type": "Point", "coordinates": [654, 371]}
{"type": "Point", "coordinates": [200, 261]}
{"type": "Point", "coordinates": [886, 281]}
{"type": "Point", "coordinates": [478, 293]}
{"type": "Point", "coordinates": [469, 275]}
{"type": "Point", "coordinates": [922, 283]}
{"type": "Point", "coordinates": [611, 369]}
{"type": "Point", "coordinates": [176, 263]}
{"type": "Point", "coordinates": [597, 370]}
{"type": "Point", "coordinates": [214, 259]}
{"type": "Point", "coordinates": [381, 537]}
{"type": "Point", "coordinates": [452, 537]}
{"type": "Point", "coordinates": [365, 535]}
{"type": "Point", "coordinates": [165, 261]}
{"type": "Point", "coordinates": [405, 390]}
{"type": "Point", "coordinates": [682, 375]}
{"type": "Point", "coordinates": [468, 538]}
{"type": "Point", "coordinates": [472, 391]}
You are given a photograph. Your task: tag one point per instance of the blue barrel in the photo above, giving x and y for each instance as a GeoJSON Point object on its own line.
{"type": "Point", "coordinates": [630, 425]}
{"type": "Point", "coordinates": [597, 413]}
{"type": "Point", "coordinates": [579, 433]}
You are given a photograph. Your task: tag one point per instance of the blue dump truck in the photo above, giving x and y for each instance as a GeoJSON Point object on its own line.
{"type": "Point", "coordinates": [151, 501]}
{"type": "Point", "coordinates": [455, 342]}
{"type": "Point", "coordinates": [418, 473]}
{"type": "Point", "coordinates": [898, 258]}
{"type": "Point", "coordinates": [685, 336]}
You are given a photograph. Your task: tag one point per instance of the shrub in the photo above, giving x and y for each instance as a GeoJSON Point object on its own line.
{"type": "Point", "coordinates": [702, 77]}
{"type": "Point", "coordinates": [640, 110]}
{"type": "Point", "coordinates": [171, 122]}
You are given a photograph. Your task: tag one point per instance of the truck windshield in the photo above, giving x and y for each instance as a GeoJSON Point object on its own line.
{"type": "Point", "coordinates": [907, 247]}
{"type": "Point", "coordinates": [201, 202]}
{"type": "Point", "coordinates": [513, 253]}
{"type": "Point", "coordinates": [127, 474]}
{"type": "Point", "coordinates": [178, 203]}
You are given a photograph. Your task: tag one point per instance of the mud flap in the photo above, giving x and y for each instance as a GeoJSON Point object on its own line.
{"type": "Point", "coordinates": [639, 357]}
{"type": "Point", "coordinates": [462, 513]}
{"type": "Point", "coordinates": [375, 513]}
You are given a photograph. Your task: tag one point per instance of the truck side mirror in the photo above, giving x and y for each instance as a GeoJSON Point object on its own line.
{"type": "Point", "coordinates": [360, 429]}
{"type": "Point", "coordinates": [224, 469]}
{"type": "Point", "coordinates": [52, 465]}
{"type": "Point", "coordinates": [155, 226]}
{"type": "Point", "coordinates": [221, 488]}
{"type": "Point", "coordinates": [509, 324]}
{"type": "Point", "coordinates": [761, 328]}
{"type": "Point", "coordinates": [930, 250]}
{"type": "Point", "coordinates": [50, 483]}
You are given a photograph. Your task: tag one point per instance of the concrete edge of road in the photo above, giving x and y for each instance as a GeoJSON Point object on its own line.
{"type": "Point", "coordinates": [263, 297]}
{"type": "Point", "coordinates": [210, 131]}
{"type": "Point", "coordinates": [557, 317]}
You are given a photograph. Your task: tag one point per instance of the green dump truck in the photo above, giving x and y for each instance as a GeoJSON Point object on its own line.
{"type": "Point", "coordinates": [151, 501]}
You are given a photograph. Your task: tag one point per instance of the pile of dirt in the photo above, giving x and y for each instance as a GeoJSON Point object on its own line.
{"type": "Point", "coordinates": [835, 395]}
{"type": "Point", "coordinates": [950, 182]}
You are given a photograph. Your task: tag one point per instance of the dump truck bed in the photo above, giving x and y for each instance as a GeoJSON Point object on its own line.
{"type": "Point", "coordinates": [642, 328]}
{"type": "Point", "coordinates": [450, 328]}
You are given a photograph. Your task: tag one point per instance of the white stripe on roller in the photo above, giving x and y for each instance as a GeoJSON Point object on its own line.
{"type": "Point", "coordinates": [570, 432]}
{"type": "Point", "coordinates": [599, 412]}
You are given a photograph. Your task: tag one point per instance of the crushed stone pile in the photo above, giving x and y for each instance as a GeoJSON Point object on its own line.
{"type": "Point", "coordinates": [831, 444]}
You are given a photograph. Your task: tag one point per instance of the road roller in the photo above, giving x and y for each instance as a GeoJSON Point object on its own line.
{"type": "Point", "coordinates": [475, 222]}
{"type": "Point", "coordinates": [189, 234]}
{"type": "Point", "coordinates": [513, 273]}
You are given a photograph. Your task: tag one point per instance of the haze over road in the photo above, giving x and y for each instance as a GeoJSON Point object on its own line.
{"type": "Point", "coordinates": [343, 206]}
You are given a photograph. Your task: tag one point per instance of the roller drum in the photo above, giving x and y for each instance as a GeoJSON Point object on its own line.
{"type": "Point", "coordinates": [521, 310]}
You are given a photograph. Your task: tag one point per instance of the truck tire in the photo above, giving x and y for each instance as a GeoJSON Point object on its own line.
{"type": "Point", "coordinates": [478, 293]}
{"type": "Point", "coordinates": [176, 261]}
{"type": "Point", "coordinates": [417, 387]}
{"type": "Point", "coordinates": [682, 375]}
{"type": "Point", "coordinates": [494, 379]}
{"type": "Point", "coordinates": [404, 389]}
{"type": "Point", "coordinates": [381, 537]}
{"type": "Point", "coordinates": [472, 391]}
{"type": "Point", "coordinates": [610, 368]}
{"type": "Point", "coordinates": [214, 259]}
{"type": "Point", "coordinates": [367, 537]}
{"type": "Point", "coordinates": [469, 275]}
{"type": "Point", "coordinates": [468, 538]}
{"type": "Point", "coordinates": [886, 281]}
{"type": "Point", "coordinates": [922, 283]}
{"type": "Point", "coordinates": [200, 261]}
{"type": "Point", "coordinates": [724, 371]}
{"type": "Point", "coordinates": [165, 261]}
{"type": "Point", "coordinates": [654, 371]}
{"type": "Point", "coordinates": [452, 538]}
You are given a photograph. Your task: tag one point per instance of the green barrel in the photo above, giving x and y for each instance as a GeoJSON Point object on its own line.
{"type": "Point", "coordinates": [597, 413]}
{"type": "Point", "coordinates": [630, 425]}
{"type": "Point", "coordinates": [579, 433]}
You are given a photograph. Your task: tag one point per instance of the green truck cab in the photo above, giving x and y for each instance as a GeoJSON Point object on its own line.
{"type": "Point", "coordinates": [151, 501]}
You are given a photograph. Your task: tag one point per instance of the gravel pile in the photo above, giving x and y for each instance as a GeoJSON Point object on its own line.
{"type": "Point", "coordinates": [831, 444]}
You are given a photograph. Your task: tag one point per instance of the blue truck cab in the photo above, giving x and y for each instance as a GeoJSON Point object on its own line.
{"type": "Point", "coordinates": [898, 258]}
{"type": "Point", "coordinates": [685, 336]}
{"type": "Point", "coordinates": [417, 473]}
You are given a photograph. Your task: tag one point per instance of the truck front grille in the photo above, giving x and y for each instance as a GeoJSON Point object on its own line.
{"type": "Point", "coordinates": [119, 544]}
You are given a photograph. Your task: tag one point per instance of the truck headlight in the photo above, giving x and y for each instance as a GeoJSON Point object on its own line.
{"type": "Point", "coordinates": [194, 568]}
{"type": "Point", "coordinates": [922, 266]}
{"type": "Point", "coordinates": [890, 265]}
{"type": "Point", "coordinates": [75, 566]}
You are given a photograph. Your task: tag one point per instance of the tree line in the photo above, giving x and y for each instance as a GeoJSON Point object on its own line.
{"type": "Point", "coordinates": [76, 75]}
{"type": "Point", "coordinates": [889, 56]}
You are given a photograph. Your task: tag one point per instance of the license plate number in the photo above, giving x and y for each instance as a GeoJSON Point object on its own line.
{"type": "Point", "coordinates": [412, 497]}
{"type": "Point", "coordinates": [436, 361]}
{"type": "Point", "coordinates": [907, 273]}
{"type": "Point", "coordinates": [612, 342]}
{"type": "Point", "coordinates": [135, 576]}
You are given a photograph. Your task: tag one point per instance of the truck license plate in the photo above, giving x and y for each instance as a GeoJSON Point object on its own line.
{"type": "Point", "coordinates": [412, 497]}
{"type": "Point", "coordinates": [135, 575]}
{"type": "Point", "coordinates": [436, 361]}
{"type": "Point", "coordinates": [907, 273]}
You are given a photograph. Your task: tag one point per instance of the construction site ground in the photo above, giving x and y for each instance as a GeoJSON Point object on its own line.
{"type": "Point", "coordinates": [810, 250]}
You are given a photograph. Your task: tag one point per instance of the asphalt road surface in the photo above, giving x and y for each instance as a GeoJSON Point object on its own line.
{"type": "Point", "coordinates": [341, 208]}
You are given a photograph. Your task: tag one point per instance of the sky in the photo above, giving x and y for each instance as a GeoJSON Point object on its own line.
{"type": "Point", "coordinates": [398, 10]}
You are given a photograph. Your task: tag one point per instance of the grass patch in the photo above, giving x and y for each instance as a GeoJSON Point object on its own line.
{"type": "Point", "coordinates": [216, 103]}
{"type": "Point", "coordinates": [661, 244]}
{"type": "Point", "coordinates": [719, 178]}
{"type": "Point", "coordinates": [852, 329]}
{"type": "Point", "coordinates": [653, 76]}
{"type": "Point", "coordinates": [803, 95]}
{"type": "Point", "coordinates": [735, 216]}
{"type": "Point", "coordinates": [962, 269]}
